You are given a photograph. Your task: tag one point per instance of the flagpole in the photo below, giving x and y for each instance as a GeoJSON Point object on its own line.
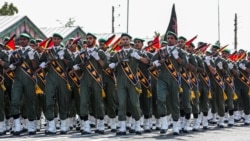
{"type": "Point", "coordinates": [127, 14]}
{"type": "Point", "coordinates": [219, 21]}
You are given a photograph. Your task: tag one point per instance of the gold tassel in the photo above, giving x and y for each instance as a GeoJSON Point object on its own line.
{"type": "Point", "coordinates": [69, 87]}
{"type": "Point", "coordinates": [249, 91]}
{"type": "Point", "coordinates": [235, 97]}
{"type": "Point", "coordinates": [38, 90]}
{"type": "Point", "coordinates": [199, 94]}
{"type": "Point", "coordinates": [3, 87]}
{"type": "Point", "coordinates": [180, 89]}
{"type": "Point", "coordinates": [79, 91]}
{"type": "Point", "coordinates": [149, 94]}
{"type": "Point", "coordinates": [192, 95]}
{"type": "Point", "coordinates": [138, 90]}
{"type": "Point", "coordinates": [209, 94]}
{"type": "Point", "coordinates": [103, 93]}
{"type": "Point", "coordinates": [224, 95]}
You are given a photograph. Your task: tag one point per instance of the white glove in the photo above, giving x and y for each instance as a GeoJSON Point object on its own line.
{"type": "Point", "coordinates": [175, 53]}
{"type": "Point", "coordinates": [156, 63]}
{"type": "Point", "coordinates": [135, 55]}
{"type": "Point", "coordinates": [230, 65]}
{"type": "Point", "coordinates": [242, 66]}
{"type": "Point", "coordinates": [95, 55]}
{"type": "Point", "coordinates": [12, 67]}
{"type": "Point", "coordinates": [61, 54]}
{"type": "Point", "coordinates": [220, 65]}
{"type": "Point", "coordinates": [112, 65]}
{"type": "Point", "coordinates": [42, 65]}
{"type": "Point", "coordinates": [31, 54]}
{"type": "Point", "coordinates": [76, 67]}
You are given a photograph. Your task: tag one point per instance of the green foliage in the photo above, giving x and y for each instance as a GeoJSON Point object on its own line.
{"type": "Point", "coordinates": [8, 9]}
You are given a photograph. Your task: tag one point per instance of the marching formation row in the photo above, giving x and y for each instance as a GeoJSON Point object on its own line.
{"type": "Point", "coordinates": [127, 82]}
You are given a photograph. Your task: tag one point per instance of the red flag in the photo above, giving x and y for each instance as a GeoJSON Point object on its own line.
{"type": "Point", "coordinates": [241, 56]}
{"type": "Point", "coordinates": [154, 44]}
{"type": "Point", "coordinates": [189, 42]}
{"type": "Point", "coordinates": [110, 39]}
{"type": "Point", "coordinates": [47, 43]}
{"type": "Point", "coordinates": [233, 56]}
{"type": "Point", "coordinates": [10, 44]}
{"type": "Point", "coordinates": [203, 49]}
{"type": "Point", "coordinates": [222, 48]}
{"type": "Point", "coordinates": [116, 45]}
{"type": "Point", "coordinates": [172, 26]}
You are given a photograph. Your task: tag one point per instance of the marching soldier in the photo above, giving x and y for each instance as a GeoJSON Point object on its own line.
{"type": "Point", "coordinates": [242, 86]}
{"type": "Point", "coordinates": [126, 63]}
{"type": "Point", "coordinates": [40, 87]}
{"type": "Point", "coordinates": [143, 76]}
{"type": "Point", "coordinates": [4, 63]}
{"type": "Point", "coordinates": [192, 68]}
{"type": "Point", "coordinates": [218, 86]}
{"type": "Point", "coordinates": [185, 105]}
{"type": "Point", "coordinates": [109, 83]}
{"type": "Point", "coordinates": [91, 61]}
{"type": "Point", "coordinates": [204, 89]}
{"type": "Point", "coordinates": [23, 64]}
{"type": "Point", "coordinates": [56, 60]}
{"type": "Point", "coordinates": [169, 60]}
{"type": "Point", "coordinates": [74, 79]}
{"type": "Point", "coordinates": [229, 87]}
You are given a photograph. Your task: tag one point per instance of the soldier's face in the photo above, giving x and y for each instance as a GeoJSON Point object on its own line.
{"type": "Point", "coordinates": [90, 41]}
{"type": "Point", "coordinates": [23, 41]}
{"type": "Point", "coordinates": [57, 41]}
{"type": "Point", "coordinates": [189, 49]}
{"type": "Point", "coordinates": [138, 44]}
{"type": "Point", "coordinates": [181, 43]}
{"type": "Point", "coordinates": [125, 41]}
{"type": "Point", "coordinates": [224, 55]}
{"type": "Point", "coordinates": [102, 45]}
{"type": "Point", "coordinates": [171, 40]}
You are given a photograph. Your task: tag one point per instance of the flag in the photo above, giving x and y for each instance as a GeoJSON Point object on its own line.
{"type": "Point", "coordinates": [154, 44]}
{"type": "Point", "coordinates": [109, 40]}
{"type": "Point", "coordinates": [233, 56]}
{"type": "Point", "coordinates": [116, 45]}
{"type": "Point", "coordinates": [47, 43]}
{"type": "Point", "coordinates": [10, 44]}
{"type": "Point", "coordinates": [172, 26]}
{"type": "Point", "coordinates": [189, 42]}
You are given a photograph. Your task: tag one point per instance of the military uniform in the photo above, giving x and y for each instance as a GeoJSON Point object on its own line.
{"type": "Point", "coordinates": [168, 84]}
{"type": "Point", "coordinates": [242, 89]}
{"type": "Point", "coordinates": [57, 85]}
{"type": "Point", "coordinates": [4, 63]}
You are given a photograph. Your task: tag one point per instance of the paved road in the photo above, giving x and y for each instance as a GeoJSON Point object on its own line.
{"type": "Point", "coordinates": [236, 133]}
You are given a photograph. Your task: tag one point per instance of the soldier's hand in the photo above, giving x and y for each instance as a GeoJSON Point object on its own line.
{"type": "Point", "coordinates": [12, 67]}
{"type": "Point", "coordinates": [175, 54]}
{"type": "Point", "coordinates": [230, 65]}
{"type": "Point", "coordinates": [42, 65]}
{"type": "Point", "coordinates": [158, 63]}
{"type": "Point", "coordinates": [95, 55]}
{"type": "Point", "coordinates": [112, 65]}
{"type": "Point", "coordinates": [220, 65]}
{"type": "Point", "coordinates": [242, 66]}
{"type": "Point", "coordinates": [76, 67]}
{"type": "Point", "coordinates": [31, 54]}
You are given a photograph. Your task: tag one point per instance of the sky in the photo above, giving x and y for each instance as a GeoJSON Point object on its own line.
{"type": "Point", "coordinates": [194, 17]}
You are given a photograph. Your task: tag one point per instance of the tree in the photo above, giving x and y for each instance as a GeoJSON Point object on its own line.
{"type": "Point", "coordinates": [8, 9]}
{"type": "Point", "coordinates": [70, 23]}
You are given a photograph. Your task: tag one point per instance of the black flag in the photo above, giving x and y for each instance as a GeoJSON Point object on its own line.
{"type": "Point", "coordinates": [172, 26]}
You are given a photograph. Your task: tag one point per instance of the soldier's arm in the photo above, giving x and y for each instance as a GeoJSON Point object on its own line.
{"type": "Point", "coordinates": [103, 59]}
{"type": "Point", "coordinates": [4, 62]}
